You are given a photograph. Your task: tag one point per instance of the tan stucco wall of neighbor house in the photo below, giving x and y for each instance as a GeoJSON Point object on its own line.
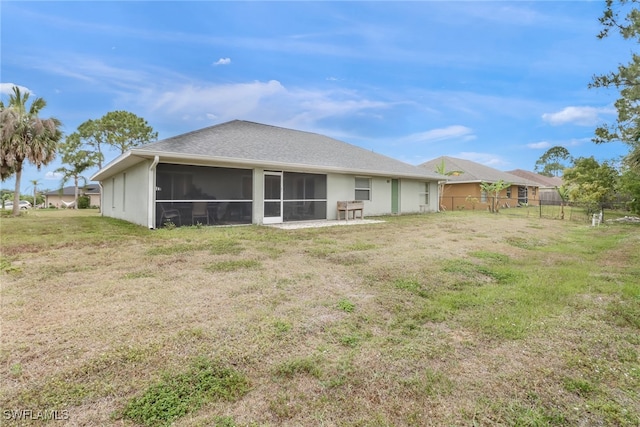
{"type": "Point", "coordinates": [56, 200]}
{"type": "Point", "coordinates": [455, 195]}
{"type": "Point", "coordinates": [125, 195]}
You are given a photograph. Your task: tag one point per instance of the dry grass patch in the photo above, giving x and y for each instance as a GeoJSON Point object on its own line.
{"type": "Point", "coordinates": [448, 319]}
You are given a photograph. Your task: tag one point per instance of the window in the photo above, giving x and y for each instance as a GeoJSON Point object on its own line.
{"type": "Point", "coordinates": [124, 190]}
{"type": "Point", "coordinates": [523, 196]}
{"type": "Point", "coordinates": [483, 197]}
{"type": "Point", "coordinates": [113, 193]}
{"type": "Point", "coordinates": [363, 189]}
{"type": "Point", "coordinates": [509, 192]}
{"type": "Point", "coordinates": [424, 196]}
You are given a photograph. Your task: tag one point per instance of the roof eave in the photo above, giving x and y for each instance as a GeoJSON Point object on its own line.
{"type": "Point", "coordinates": [207, 160]}
{"type": "Point", "coordinates": [121, 162]}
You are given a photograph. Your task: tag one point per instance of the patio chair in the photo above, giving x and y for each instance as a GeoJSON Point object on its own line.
{"type": "Point", "coordinates": [170, 215]}
{"type": "Point", "coordinates": [199, 210]}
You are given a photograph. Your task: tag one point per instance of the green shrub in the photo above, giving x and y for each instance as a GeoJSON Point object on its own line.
{"type": "Point", "coordinates": [177, 395]}
{"type": "Point", "coordinates": [84, 202]}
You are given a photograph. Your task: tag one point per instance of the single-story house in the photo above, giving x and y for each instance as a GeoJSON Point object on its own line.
{"type": "Point", "coordinates": [462, 188]}
{"type": "Point", "coordinates": [242, 172]}
{"type": "Point", "coordinates": [548, 185]}
{"type": "Point", "coordinates": [65, 197]}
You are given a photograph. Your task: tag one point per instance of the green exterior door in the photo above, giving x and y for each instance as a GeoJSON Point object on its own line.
{"type": "Point", "coordinates": [395, 197]}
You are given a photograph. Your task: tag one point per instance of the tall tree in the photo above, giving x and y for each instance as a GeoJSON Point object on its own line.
{"type": "Point", "coordinates": [629, 188]}
{"type": "Point", "coordinates": [590, 181]}
{"type": "Point", "coordinates": [92, 136]}
{"type": "Point", "coordinates": [125, 130]}
{"type": "Point", "coordinates": [25, 137]}
{"type": "Point", "coordinates": [622, 16]}
{"type": "Point", "coordinates": [119, 129]}
{"type": "Point", "coordinates": [553, 161]}
{"type": "Point", "coordinates": [78, 160]}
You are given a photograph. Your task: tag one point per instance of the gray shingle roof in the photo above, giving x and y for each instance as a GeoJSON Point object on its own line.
{"type": "Point", "coordinates": [266, 144]}
{"type": "Point", "coordinates": [473, 172]}
{"type": "Point", "coordinates": [71, 190]}
{"type": "Point", "coordinates": [544, 181]}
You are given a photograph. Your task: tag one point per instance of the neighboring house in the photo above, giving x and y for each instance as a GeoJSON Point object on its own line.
{"type": "Point", "coordinates": [242, 172]}
{"type": "Point", "coordinates": [65, 196]}
{"type": "Point", "coordinates": [548, 185]}
{"type": "Point", "coordinates": [462, 190]}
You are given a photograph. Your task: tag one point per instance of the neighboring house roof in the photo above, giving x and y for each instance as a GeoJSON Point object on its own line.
{"type": "Point", "coordinates": [243, 142]}
{"type": "Point", "coordinates": [473, 172]}
{"type": "Point", "coordinates": [543, 181]}
{"type": "Point", "coordinates": [71, 191]}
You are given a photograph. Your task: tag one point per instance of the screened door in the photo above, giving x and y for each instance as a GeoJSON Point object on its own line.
{"type": "Point", "coordinates": [272, 198]}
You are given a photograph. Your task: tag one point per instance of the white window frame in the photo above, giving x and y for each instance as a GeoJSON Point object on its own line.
{"type": "Point", "coordinates": [424, 195]}
{"type": "Point", "coordinates": [361, 188]}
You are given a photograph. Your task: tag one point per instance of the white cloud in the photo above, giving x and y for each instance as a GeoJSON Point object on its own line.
{"type": "Point", "coordinates": [581, 116]}
{"type": "Point", "coordinates": [53, 176]}
{"type": "Point", "coordinates": [538, 145]}
{"type": "Point", "coordinates": [223, 61]}
{"type": "Point", "coordinates": [260, 101]}
{"type": "Point", "coordinates": [7, 88]}
{"type": "Point", "coordinates": [223, 102]}
{"type": "Point", "coordinates": [486, 159]}
{"type": "Point", "coordinates": [450, 132]}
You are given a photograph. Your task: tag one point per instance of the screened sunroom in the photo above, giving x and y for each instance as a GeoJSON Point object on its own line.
{"type": "Point", "coordinates": [190, 195]}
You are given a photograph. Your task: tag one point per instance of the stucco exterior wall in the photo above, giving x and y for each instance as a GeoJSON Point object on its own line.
{"type": "Point", "coordinates": [125, 195]}
{"type": "Point", "coordinates": [410, 194]}
{"type": "Point", "coordinates": [413, 198]}
{"type": "Point", "coordinates": [455, 197]}
{"type": "Point", "coordinates": [57, 199]}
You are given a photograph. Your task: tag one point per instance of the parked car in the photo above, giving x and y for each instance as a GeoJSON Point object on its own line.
{"type": "Point", "coordinates": [24, 204]}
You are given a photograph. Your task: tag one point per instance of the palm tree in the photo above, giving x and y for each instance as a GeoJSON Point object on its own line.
{"type": "Point", "coordinates": [495, 189]}
{"type": "Point", "coordinates": [35, 183]}
{"type": "Point", "coordinates": [78, 160]}
{"type": "Point", "coordinates": [25, 136]}
{"type": "Point", "coordinates": [441, 169]}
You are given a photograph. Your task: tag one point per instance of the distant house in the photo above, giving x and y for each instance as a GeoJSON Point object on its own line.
{"type": "Point", "coordinates": [548, 185]}
{"type": "Point", "coordinates": [462, 190]}
{"type": "Point", "coordinates": [65, 197]}
{"type": "Point", "coordinates": [243, 172]}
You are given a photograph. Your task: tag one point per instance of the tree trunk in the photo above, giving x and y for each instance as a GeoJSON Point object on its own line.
{"type": "Point", "coordinates": [75, 195]}
{"type": "Point", "coordinates": [16, 193]}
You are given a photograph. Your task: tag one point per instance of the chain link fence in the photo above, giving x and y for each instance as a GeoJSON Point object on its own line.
{"type": "Point", "coordinates": [551, 209]}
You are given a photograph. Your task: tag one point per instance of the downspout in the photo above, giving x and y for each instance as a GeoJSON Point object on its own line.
{"type": "Point", "coordinates": [101, 198]}
{"type": "Point", "coordinates": [151, 219]}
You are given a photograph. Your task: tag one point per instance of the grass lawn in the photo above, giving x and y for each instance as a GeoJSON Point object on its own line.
{"type": "Point", "coordinates": [454, 319]}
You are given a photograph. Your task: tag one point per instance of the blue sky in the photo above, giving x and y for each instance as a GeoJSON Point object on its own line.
{"type": "Point", "coordinates": [494, 82]}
